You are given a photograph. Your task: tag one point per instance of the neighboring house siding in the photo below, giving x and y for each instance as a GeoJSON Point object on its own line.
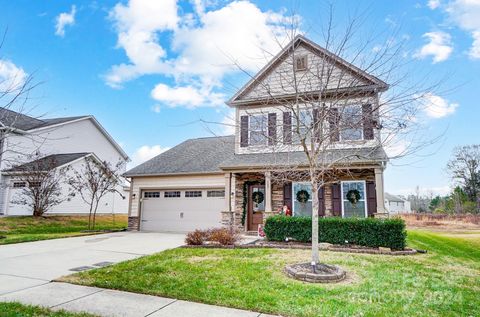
{"type": "Point", "coordinates": [278, 80]}
{"type": "Point", "coordinates": [171, 182]}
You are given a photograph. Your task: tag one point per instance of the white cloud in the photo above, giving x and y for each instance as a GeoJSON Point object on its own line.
{"type": "Point", "coordinates": [439, 46]}
{"type": "Point", "coordinates": [203, 46]}
{"type": "Point", "coordinates": [433, 4]}
{"type": "Point", "coordinates": [187, 96]}
{"type": "Point", "coordinates": [12, 77]}
{"type": "Point", "coordinates": [146, 152]}
{"type": "Point", "coordinates": [466, 14]}
{"type": "Point", "coordinates": [435, 106]}
{"type": "Point", "coordinates": [64, 19]}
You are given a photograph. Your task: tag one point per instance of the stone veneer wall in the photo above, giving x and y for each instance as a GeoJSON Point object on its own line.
{"type": "Point", "coordinates": [133, 223]}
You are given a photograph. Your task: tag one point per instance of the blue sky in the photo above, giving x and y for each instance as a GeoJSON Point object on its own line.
{"type": "Point", "coordinates": [149, 70]}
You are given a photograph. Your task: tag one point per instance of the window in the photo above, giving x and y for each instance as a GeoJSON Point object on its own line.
{"type": "Point", "coordinates": [351, 124]}
{"type": "Point", "coordinates": [258, 130]}
{"type": "Point", "coordinates": [193, 193]}
{"type": "Point", "coordinates": [349, 209]}
{"type": "Point", "coordinates": [301, 63]}
{"type": "Point", "coordinates": [35, 184]}
{"type": "Point", "coordinates": [19, 184]}
{"type": "Point", "coordinates": [304, 124]}
{"type": "Point", "coordinates": [151, 194]}
{"type": "Point", "coordinates": [171, 194]}
{"type": "Point", "coordinates": [302, 208]}
{"type": "Point", "coordinates": [216, 193]}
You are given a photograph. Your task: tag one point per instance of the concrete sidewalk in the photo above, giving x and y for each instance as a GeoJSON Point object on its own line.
{"type": "Point", "coordinates": [105, 302]}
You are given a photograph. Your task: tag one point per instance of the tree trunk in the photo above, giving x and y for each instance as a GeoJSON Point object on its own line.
{"type": "Point", "coordinates": [95, 214]}
{"type": "Point", "coordinates": [315, 208]}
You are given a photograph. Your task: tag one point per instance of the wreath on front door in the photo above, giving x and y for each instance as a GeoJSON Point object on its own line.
{"type": "Point", "coordinates": [257, 197]}
{"type": "Point", "coordinates": [353, 196]}
{"type": "Point", "coordinates": [303, 196]}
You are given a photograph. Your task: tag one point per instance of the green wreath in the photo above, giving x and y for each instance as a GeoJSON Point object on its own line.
{"type": "Point", "coordinates": [257, 197]}
{"type": "Point", "coordinates": [303, 196]}
{"type": "Point", "coordinates": [353, 196]}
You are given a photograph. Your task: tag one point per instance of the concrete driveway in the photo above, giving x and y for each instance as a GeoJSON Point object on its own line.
{"type": "Point", "coordinates": [31, 264]}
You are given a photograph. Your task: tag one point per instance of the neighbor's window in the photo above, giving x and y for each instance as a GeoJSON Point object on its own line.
{"type": "Point", "coordinates": [216, 193]}
{"type": "Point", "coordinates": [151, 194]}
{"type": "Point", "coordinates": [304, 125]}
{"type": "Point", "coordinates": [351, 124]}
{"type": "Point", "coordinates": [301, 62]}
{"type": "Point", "coordinates": [193, 193]}
{"type": "Point", "coordinates": [19, 184]}
{"type": "Point", "coordinates": [300, 206]}
{"type": "Point", "coordinates": [171, 194]}
{"type": "Point", "coordinates": [358, 208]}
{"type": "Point", "coordinates": [35, 184]}
{"type": "Point", "coordinates": [258, 130]}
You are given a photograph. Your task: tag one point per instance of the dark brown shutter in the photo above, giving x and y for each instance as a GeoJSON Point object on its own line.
{"type": "Point", "coordinates": [244, 131]}
{"type": "Point", "coordinates": [287, 128]}
{"type": "Point", "coordinates": [371, 199]}
{"type": "Point", "coordinates": [272, 128]}
{"type": "Point", "coordinates": [336, 200]}
{"type": "Point", "coordinates": [367, 116]}
{"type": "Point", "coordinates": [333, 120]}
{"type": "Point", "coordinates": [316, 124]}
{"type": "Point", "coordinates": [321, 202]}
{"type": "Point", "coordinates": [287, 195]}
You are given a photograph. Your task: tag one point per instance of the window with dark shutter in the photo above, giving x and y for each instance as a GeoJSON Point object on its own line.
{"type": "Point", "coordinates": [287, 128]}
{"type": "Point", "coordinates": [367, 116]}
{"type": "Point", "coordinates": [316, 125]}
{"type": "Point", "coordinates": [287, 195]}
{"type": "Point", "coordinates": [333, 121]}
{"type": "Point", "coordinates": [272, 128]}
{"type": "Point", "coordinates": [336, 200]}
{"type": "Point", "coordinates": [244, 131]}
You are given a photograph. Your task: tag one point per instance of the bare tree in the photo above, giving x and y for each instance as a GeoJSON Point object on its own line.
{"type": "Point", "coordinates": [328, 105]}
{"type": "Point", "coordinates": [93, 182]}
{"type": "Point", "coordinates": [464, 168]}
{"type": "Point", "coordinates": [41, 184]}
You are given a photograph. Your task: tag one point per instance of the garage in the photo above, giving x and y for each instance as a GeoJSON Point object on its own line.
{"type": "Point", "coordinates": [181, 210]}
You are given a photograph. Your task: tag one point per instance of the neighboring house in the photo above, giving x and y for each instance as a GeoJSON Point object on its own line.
{"type": "Point", "coordinates": [396, 205]}
{"type": "Point", "coordinates": [61, 141]}
{"type": "Point", "coordinates": [206, 182]}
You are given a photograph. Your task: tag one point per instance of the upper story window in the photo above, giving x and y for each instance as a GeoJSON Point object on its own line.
{"type": "Point", "coordinates": [258, 130]}
{"type": "Point", "coordinates": [302, 127]}
{"type": "Point", "coordinates": [301, 63]}
{"type": "Point", "coordinates": [351, 123]}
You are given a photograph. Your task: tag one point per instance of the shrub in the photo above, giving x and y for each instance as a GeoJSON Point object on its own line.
{"type": "Point", "coordinates": [223, 236]}
{"type": "Point", "coordinates": [369, 232]}
{"type": "Point", "coordinates": [197, 237]}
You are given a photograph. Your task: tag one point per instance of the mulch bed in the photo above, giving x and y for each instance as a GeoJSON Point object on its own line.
{"type": "Point", "coordinates": [304, 246]}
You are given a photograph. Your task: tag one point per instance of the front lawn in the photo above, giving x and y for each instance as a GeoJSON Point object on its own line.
{"type": "Point", "coordinates": [19, 310]}
{"type": "Point", "coordinates": [444, 282]}
{"type": "Point", "coordinates": [28, 228]}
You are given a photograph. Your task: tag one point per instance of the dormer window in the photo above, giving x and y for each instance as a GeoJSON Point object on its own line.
{"type": "Point", "coordinates": [301, 63]}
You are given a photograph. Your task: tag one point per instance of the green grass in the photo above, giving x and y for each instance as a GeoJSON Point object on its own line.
{"type": "Point", "coordinates": [444, 282]}
{"type": "Point", "coordinates": [28, 228]}
{"type": "Point", "coordinates": [19, 310]}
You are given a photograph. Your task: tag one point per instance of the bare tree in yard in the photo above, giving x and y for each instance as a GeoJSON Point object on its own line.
{"type": "Point", "coordinates": [41, 183]}
{"type": "Point", "coordinates": [327, 107]}
{"type": "Point", "coordinates": [93, 182]}
{"type": "Point", "coordinates": [464, 168]}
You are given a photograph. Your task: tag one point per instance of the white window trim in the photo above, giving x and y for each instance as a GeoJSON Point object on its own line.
{"type": "Point", "coordinates": [364, 195]}
{"type": "Point", "coordinates": [250, 130]}
{"type": "Point", "coordinates": [295, 196]}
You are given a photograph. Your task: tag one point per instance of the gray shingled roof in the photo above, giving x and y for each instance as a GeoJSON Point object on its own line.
{"type": "Point", "coordinates": [213, 154]}
{"type": "Point", "coordinates": [47, 162]}
{"type": "Point", "coordinates": [13, 119]}
{"type": "Point", "coordinates": [391, 197]}
{"type": "Point", "coordinates": [201, 155]}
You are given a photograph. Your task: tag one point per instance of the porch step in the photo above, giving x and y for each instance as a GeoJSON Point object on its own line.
{"type": "Point", "coordinates": [251, 233]}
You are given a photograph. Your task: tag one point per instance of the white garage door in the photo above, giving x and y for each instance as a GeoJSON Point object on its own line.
{"type": "Point", "coordinates": [181, 210]}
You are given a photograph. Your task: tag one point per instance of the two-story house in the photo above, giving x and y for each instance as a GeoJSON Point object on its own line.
{"type": "Point", "coordinates": [202, 183]}
{"type": "Point", "coordinates": [61, 142]}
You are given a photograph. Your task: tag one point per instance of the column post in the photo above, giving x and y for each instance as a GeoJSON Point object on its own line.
{"type": "Point", "coordinates": [379, 191]}
{"type": "Point", "coordinates": [268, 195]}
{"type": "Point", "coordinates": [227, 213]}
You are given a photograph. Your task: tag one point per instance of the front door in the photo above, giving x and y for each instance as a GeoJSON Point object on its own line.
{"type": "Point", "coordinates": [256, 206]}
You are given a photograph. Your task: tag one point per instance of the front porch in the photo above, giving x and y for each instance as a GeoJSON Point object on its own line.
{"type": "Point", "coordinates": [253, 196]}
